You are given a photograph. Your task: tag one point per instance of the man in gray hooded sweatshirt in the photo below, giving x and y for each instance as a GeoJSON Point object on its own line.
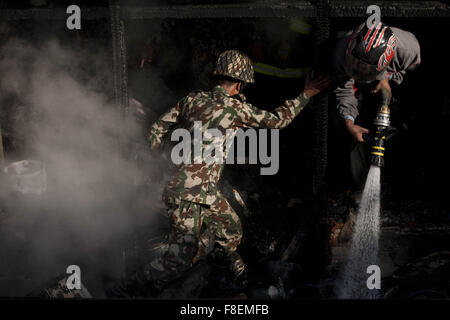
{"type": "Point", "coordinates": [375, 55]}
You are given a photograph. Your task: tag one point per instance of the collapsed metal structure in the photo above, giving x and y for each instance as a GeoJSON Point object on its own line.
{"type": "Point", "coordinates": [287, 8]}
{"type": "Point", "coordinates": [321, 10]}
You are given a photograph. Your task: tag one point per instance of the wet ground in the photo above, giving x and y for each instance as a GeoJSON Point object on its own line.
{"type": "Point", "coordinates": [278, 266]}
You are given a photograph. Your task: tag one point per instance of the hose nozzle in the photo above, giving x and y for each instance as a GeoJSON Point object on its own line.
{"type": "Point", "coordinates": [381, 123]}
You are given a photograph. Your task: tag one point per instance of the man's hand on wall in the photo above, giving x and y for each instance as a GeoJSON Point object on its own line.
{"type": "Point", "coordinates": [314, 86]}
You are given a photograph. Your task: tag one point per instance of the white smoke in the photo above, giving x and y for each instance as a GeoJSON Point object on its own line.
{"type": "Point", "coordinates": [74, 130]}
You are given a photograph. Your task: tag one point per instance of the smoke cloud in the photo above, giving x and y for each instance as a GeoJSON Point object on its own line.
{"type": "Point", "coordinates": [90, 208]}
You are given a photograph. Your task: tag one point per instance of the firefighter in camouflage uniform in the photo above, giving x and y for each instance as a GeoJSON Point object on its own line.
{"type": "Point", "coordinates": [200, 215]}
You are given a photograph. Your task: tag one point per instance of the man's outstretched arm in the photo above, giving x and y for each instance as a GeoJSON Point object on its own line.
{"type": "Point", "coordinates": [251, 116]}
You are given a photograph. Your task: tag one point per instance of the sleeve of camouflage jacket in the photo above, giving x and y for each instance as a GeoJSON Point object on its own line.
{"type": "Point", "coordinates": [250, 116]}
{"type": "Point", "coordinates": [163, 125]}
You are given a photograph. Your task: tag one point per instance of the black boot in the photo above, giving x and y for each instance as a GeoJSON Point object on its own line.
{"type": "Point", "coordinates": [237, 265]}
{"type": "Point", "coordinates": [134, 286]}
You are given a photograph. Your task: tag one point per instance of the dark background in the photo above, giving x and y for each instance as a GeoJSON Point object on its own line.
{"type": "Point", "coordinates": [180, 54]}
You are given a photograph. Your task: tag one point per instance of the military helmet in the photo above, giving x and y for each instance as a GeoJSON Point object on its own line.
{"type": "Point", "coordinates": [236, 65]}
{"type": "Point", "coordinates": [369, 52]}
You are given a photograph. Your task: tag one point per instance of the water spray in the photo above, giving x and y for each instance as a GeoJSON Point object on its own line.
{"type": "Point", "coordinates": [365, 239]}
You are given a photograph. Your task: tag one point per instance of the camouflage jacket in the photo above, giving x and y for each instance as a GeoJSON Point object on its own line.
{"type": "Point", "coordinates": [197, 182]}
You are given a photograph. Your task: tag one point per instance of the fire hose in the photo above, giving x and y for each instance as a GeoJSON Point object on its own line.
{"type": "Point", "coordinates": [383, 131]}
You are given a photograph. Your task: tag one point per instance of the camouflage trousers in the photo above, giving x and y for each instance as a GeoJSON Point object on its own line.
{"type": "Point", "coordinates": [195, 228]}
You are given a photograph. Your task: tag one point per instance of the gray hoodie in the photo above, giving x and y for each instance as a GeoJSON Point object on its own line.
{"type": "Point", "coordinates": [407, 57]}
